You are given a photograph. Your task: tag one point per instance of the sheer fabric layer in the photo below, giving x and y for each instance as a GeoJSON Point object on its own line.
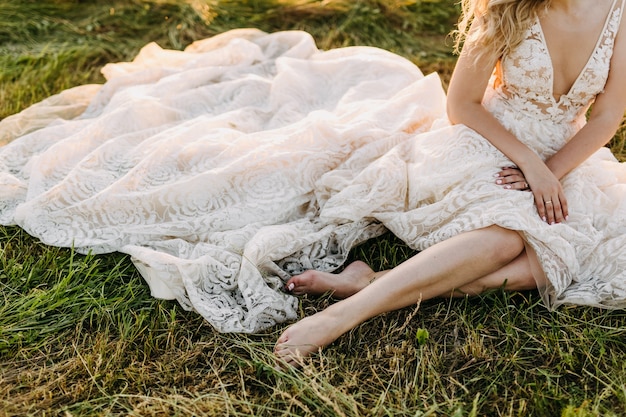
{"type": "Point", "coordinates": [210, 166]}
{"type": "Point", "coordinates": [248, 157]}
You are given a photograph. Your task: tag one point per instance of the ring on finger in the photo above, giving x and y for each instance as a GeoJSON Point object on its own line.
{"type": "Point", "coordinates": [547, 202]}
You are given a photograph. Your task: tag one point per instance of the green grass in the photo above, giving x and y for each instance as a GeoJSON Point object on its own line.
{"type": "Point", "coordinates": [80, 335]}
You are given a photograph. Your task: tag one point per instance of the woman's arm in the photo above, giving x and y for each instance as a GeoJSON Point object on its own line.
{"type": "Point", "coordinates": [464, 106]}
{"type": "Point", "coordinates": [465, 94]}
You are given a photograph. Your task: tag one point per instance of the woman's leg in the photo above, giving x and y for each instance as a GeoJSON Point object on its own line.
{"type": "Point", "coordinates": [514, 276]}
{"type": "Point", "coordinates": [440, 269]}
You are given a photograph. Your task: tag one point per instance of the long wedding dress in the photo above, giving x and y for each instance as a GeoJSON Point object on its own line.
{"type": "Point", "coordinates": [227, 167]}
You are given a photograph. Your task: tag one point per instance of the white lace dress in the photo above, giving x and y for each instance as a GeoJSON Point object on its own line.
{"type": "Point", "coordinates": [224, 168]}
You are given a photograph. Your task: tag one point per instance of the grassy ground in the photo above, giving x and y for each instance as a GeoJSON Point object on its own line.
{"type": "Point", "coordinates": [80, 335]}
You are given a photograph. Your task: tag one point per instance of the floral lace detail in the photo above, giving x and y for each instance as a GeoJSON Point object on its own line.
{"type": "Point", "coordinates": [210, 166]}
{"type": "Point", "coordinates": [224, 168]}
{"type": "Point", "coordinates": [525, 80]}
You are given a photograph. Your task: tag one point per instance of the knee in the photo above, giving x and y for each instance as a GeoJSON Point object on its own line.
{"type": "Point", "coordinates": [505, 245]}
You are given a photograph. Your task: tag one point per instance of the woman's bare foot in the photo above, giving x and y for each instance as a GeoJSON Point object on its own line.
{"type": "Point", "coordinates": [351, 280]}
{"type": "Point", "coordinates": [305, 338]}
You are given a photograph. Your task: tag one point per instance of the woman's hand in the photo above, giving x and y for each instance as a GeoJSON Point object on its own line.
{"type": "Point", "coordinates": [546, 188]}
{"type": "Point", "coordinates": [512, 178]}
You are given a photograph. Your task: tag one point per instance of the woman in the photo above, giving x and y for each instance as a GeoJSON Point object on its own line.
{"type": "Point", "coordinates": [527, 74]}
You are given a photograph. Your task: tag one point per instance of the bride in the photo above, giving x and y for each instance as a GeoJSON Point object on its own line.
{"type": "Point", "coordinates": [238, 172]}
{"type": "Point", "coordinates": [554, 217]}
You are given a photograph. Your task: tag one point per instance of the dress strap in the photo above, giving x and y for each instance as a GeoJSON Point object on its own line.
{"type": "Point", "coordinates": [613, 20]}
{"type": "Point", "coordinates": [620, 10]}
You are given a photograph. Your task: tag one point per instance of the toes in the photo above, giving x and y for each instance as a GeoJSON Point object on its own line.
{"type": "Point", "coordinates": [286, 357]}
{"type": "Point", "coordinates": [289, 359]}
{"type": "Point", "coordinates": [299, 284]}
{"type": "Point", "coordinates": [282, 339]}
{"type": "Point", "coordinates": [280, 347]}
{"type": "Point", "coordinates": [291, 284]}
{"type": "Point", "coordinates": [301, 291]}
{"type": "Point", "coordinates": [288, 354]}
{"type": "Point", "coordinates": [283, 364]}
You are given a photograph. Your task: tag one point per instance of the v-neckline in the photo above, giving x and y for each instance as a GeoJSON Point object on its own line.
{"type": "Point", "coordinates": [584, 68]}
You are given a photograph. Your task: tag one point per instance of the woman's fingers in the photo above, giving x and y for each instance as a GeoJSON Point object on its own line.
{"type": "Point", "coordinates": [545, 207]}
{"type": "Point", "coordinates": [512, 179]}
{"type": "Point", "coordinates": [552, 210]}
{"type": "Point", "coordinates": [564, 209]}
{"type": "Point", "coordinates": [549, 199]}
{"type": "Point", "coordinates": [511, 184]}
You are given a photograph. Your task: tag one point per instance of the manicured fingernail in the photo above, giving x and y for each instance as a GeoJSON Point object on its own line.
{"type": "Point", "coordinates": [498, 181]}
{"type": "Point", "coordinates": [290, 286]}
{"type": "Point", "coordinates": [544, 219]}
{"type": "Point", "coordinates": [552, 224]}
{"type": "Point", "coordinates": [508, 187]}
{"type": "Point", "coordinates": [496, 175]}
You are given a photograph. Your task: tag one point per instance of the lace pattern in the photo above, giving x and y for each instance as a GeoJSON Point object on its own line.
{"type": "Point", "coordinates": [248, 157]}
{"type": "Point", "coordinates": [210, 166]}
{"type": "Point", "coordinates": [522, 86]}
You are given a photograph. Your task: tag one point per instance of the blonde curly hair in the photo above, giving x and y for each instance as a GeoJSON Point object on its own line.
{"type": "Point", "coordinates": [500, 25]}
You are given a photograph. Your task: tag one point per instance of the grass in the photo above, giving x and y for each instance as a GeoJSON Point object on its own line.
{"type": "Point", "coordinates": [80, 335]}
